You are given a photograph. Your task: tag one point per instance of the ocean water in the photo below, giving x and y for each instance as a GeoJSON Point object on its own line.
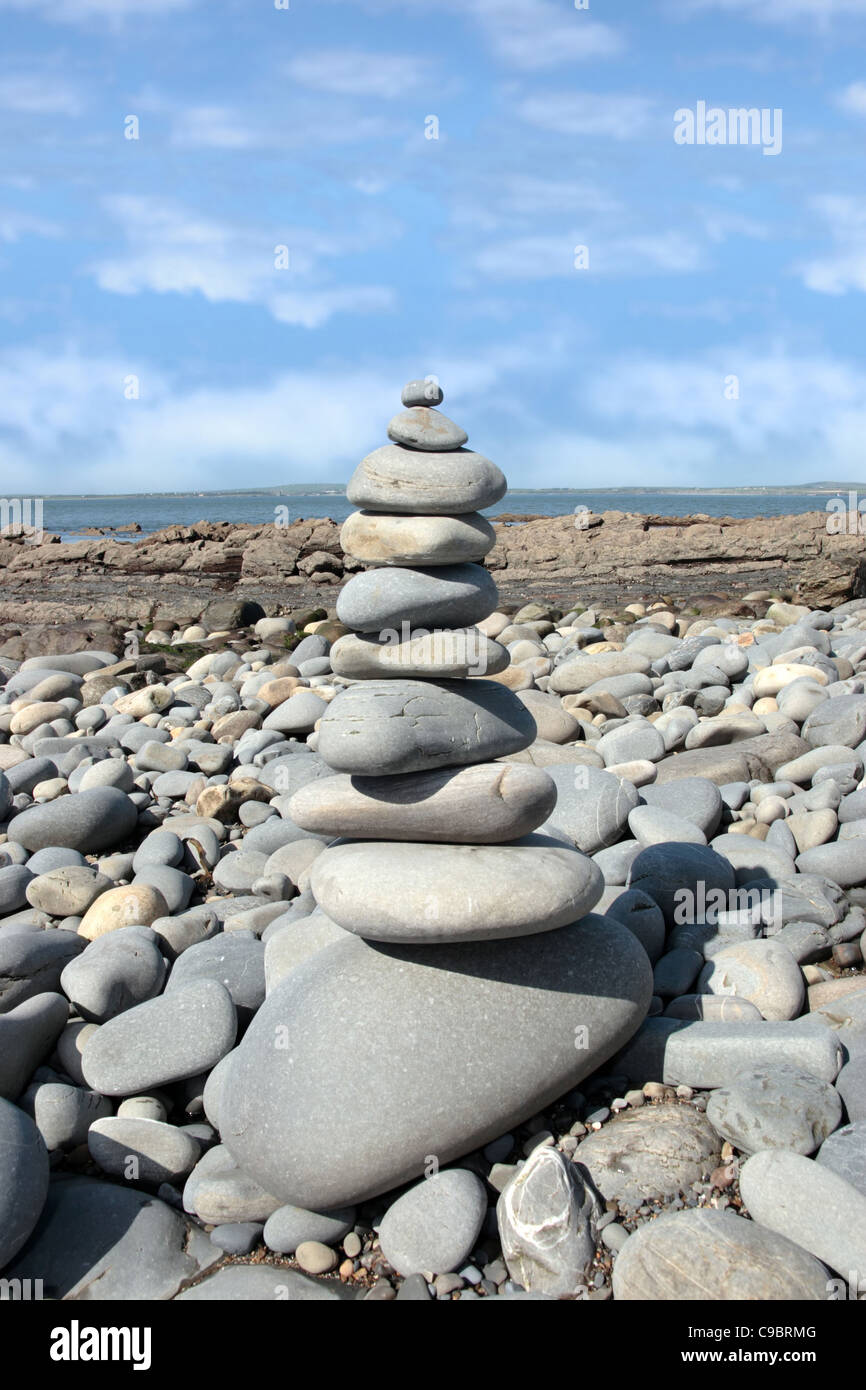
{"type": "Point", "coordinates": [67, 516]}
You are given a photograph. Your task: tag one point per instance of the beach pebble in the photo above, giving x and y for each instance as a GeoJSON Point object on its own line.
{"type": "Point", "coordinates": [547, 1217]}
{"type": "Point", "coordinates": [778, 1107]}
{"type": "Point", "coordinates": [433, 1227]}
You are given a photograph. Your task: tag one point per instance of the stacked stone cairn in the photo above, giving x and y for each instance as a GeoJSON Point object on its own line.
{"type": "Point", "coordinates": [449, 984]}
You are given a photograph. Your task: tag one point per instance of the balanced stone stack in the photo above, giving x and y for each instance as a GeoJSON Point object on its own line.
{"type": "Point", "coordinates": [449, 984]}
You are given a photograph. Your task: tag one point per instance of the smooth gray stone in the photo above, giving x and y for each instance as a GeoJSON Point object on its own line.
{"type": "Point", "coordinates": [615, 862]}
{"type": "Point", "coordinates": [44, 860]}
{"type": "Point", "coordinates": [422, 391]}
{"type": "Point", "coordinates": [23, 777]}
{"type": "Point", "coordinates": [763, 971]}
{"type": "Point", "coordinates": [175, 886]}
{"type": "Point", "coordinates": [676, 971]}
{"type": "Point", "coordinates": [650, 825]}
{"type": "Point", "coordinates": [6, 792]}
{"type": "Point", "coordinates": [680, 878]}
{"type": "Point", "coordinates": [802, 768]}
{"type": "Point", "coordinates": [294, 944]}
{"type": "Point", "coordinates": [707, 1055]}
{"type": "Point", "coordinates": [634, 740]}
{"type": "Point", "coordinates": [238, 870]}
{"type": "Point", "coordinates": [288, 1227]}
{"type": "Point", "coordinates": [650, 1153]}
{"type": "Point", "coordinates": [238, 1283]}
{"type": "Point", "coordinates": [32, 964]}
{"type": "Point", "coordinates": [177, 934]}
{"type": "Point", "coordinates": [780, 837]}
{"type": "Point", "coordinates": [14, 881]}
{"type": "Point", "coordinates": [236, 959]}
{"type": "Point", "coordinates": [298, 714]}
{"type": "Point", "coordinates": [806, 941]}
{"type": "Point", "coordinates": [775, 1107]}
{"type": "Point", "coordinates": [449, 596]}
{"type": "Point", "coordinates": [386, 727]}
{"type": "Point", "coordinates": [23, 1179]}
{"type": "Point", "coordinates": [485, 803]}
{"type": "Point", "coordinates": [753, 858]}
{"type": "Point", "coordinates": [444, 654]}
{"type": "Point", "coordinates": [217, 1190]}
{"type": "Point", "coordinates": [430, 892]}
{"type": "Point", "coordinates": [375, 1034]}
{"type": "Point", "coordinates": [713, 1008]}
{"type": "Point", "coordinates": [637, 911]}
{"type": "Point", "coordinates": [809, 1204]}
{"type": "Point", "coordinates": [154, 1151]}
{"type": "Point", "coordinates": [109, 1242]}
{"type": "Point", "coordinates": [844, 862]}
{"type": "Point", "coordinates": [27, 1034]}
{"type": "Point", "coordinates": [424, 427]}
{"type": "Point", "coordinates": [159, 847]}
{"type": "Point", "coordinates": [762, 757]}
{"type": "Point", "coordinates": [88, 821]}
{"type": "Point", "coordinates": [595, 671]}
{"type": "Point", "coordinates": [63, 1114]}
{"type": "Point", "coordinates": [67, 891]}
{"type": "Point", "coordinates": [76, 663]}
{"type": "Point", "coordinates": [716, 1257]}
{"type": "Point", "coordinates": [237, 1237]}
{"type": "Point", "coordinates": [165, 1039]}
{"type": "Point", "coordinates": [396, 479]}
{"type": "Point", "coordinates": [114, 973]}
{"type": "Point", "coordinates": [174, 785]}
{"type": "Point", "coordinates": [547, 1217]}
{"type": "Point", "coordinates": [853, 807]}
{"type": "Point", "coordinates": [851, 1085]}
{"type": "Point", "coordinates": [378, 539]}
{"type": "Point", "coordinates": [844, 1152]}
{"type": "Point", "coordinates": [592, 806]}
{"type": "Point", "coordinates": [696, 799]}
{"type": "Point", "coordinates": [433, 1227]}
{"type": "Point", "coordinates": [840, 720]}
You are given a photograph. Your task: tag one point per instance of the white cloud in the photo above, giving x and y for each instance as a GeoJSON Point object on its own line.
{"type": "Point", "coordinates": [301, 127]}
{"type": "Point", "coordinates": [348, 72]}
{"type": "Point", "coordinates": [545, 257]}
{"type": "Point", "coordinates": [845, 267]}
{"type": "Point", "coordinates": [588, 113]}
{"type": "Point", "coordinates": [171, 250]}
{"type": "Point", "coordinates": [15, 225]}
{"type": "Point", "coordinates": [820, 12]}
{"type": "Point", "coordinates": [853, 99]}
{"type": "Point", "coordinates": [39, 94]}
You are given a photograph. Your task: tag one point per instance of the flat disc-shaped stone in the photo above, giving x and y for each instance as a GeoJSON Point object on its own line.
{"type": "Point", "coordinates": [421, 892]}
{"type": "Point", "coordinates": [485, 803]}
{"type": "Point", "coordinates": [379, 539]}
{"type": "Point", "coordinates": [422, 427]}
{"type": "Point", "coordinates": [394, 479]}
{"type": "Point", "coordinates": [369, 1062]}
{"type": "Point", "coordinates": [443, 596]}
{"type": "Point", "coordinates": [446, 654]}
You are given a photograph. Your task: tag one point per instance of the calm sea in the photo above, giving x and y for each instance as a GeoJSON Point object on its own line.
{"type": "Point", "coordinates": [68, 515]}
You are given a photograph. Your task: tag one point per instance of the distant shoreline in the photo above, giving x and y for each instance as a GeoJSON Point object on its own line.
{"type": "Point", "coordinates": [339, 490]}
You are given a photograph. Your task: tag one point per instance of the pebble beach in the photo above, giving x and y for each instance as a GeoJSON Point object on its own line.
{"type": "Point", "coordinates": [423, 945]}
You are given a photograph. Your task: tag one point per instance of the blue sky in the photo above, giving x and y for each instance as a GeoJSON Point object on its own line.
{"type": "Point", "coordinates": [261, 127]}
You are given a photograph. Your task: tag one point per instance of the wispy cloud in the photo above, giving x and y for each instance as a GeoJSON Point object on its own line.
{"type": "Point", "coordinates": [546, 257]}
{"type": "Point", "coordinates": [589, 113]}
{"type": "Point", "coordinates": [39, 94]}
{"type": "Point", "coordinates": [171, 250]}
{"type": "Point", "coordinates": [348, 72]}
{"type": "Point", "coordinates": [853, 99]}
{"type": "Point", "coordinates": [845, 267]}
{"type": "Point", "coordinates": [82, 11]}
{"type": "Point", "coordinates": [819, 12]}
{"type": "Point", "coordinates": [15, 225]}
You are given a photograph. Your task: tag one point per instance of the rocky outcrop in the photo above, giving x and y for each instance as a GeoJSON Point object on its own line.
{"type": "Point", "coordinates": [175, 573]}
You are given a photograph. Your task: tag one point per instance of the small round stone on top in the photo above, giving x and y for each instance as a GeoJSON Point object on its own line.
{"type": "Point", "coordinates": [425, 391]}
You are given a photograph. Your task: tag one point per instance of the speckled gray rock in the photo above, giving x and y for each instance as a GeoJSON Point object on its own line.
{"type": "Point", "coordinates": [433, 1227]}
{"type": "Point", "coordinates": [395, 479]}
{"type": "Point", "coordinates": [23, 1179]}
{"type": "Point", "coordinates": [679, 877]}
{"type": "Point", "coordinates": [592, 807]}
{"type": "Point", "coordinates": [485, 803]}
{"type": "Point", "coordinates": [295, 943]}
{"type": "Point", "coordinates": [844, 862]}
{"type": "Point", "coordinates": [166, 1039]}
{"type": "Point", "coordinates": [779, 1107]}
{"type": "Point", "coordinates": [298, 714]}
{"type": "Point", "coordinates": [444, 654]}
{"type": "Point", "coordinates": [430, 892]}
{"type": "Point", "coordinates": [27, 1034]}
{"type": "Point", "coordinates": [841, 720]}
{"type": "Point", "coordinates": [217, 1190]}
{"type": "Point", "coordinates": [547, 1217]}
{"type": "Point", "coordinates": [851, 1085]}
{"type": "Point", "coordinates": [32, 963]}
{"type": "Point", "coordinates": [652, 1152]}
{"type": "Point", "coordinates": [142, 1151]}
{"type": "Point", "coordinates": [386, 727]}
{"type": "Point", "coordinates": [237, 1237]}
{"type": "Point", "coordinates": [89, 821]}
{"type": "Point", "coordinates": [67, 891]}
{"type": "Point", "coordinates": [376, 1034]}
{"type": "Point", "coordinates": [577, 673]}
{"type": "Point", "coordinates": [235, 959]}
{"type": "Point", "coordinates": [424, 427]}
{"type": "Point", "coordinates": [63, 1114]}
{"type": "Point", "coordinates": [378, 539]}
{"type": "Point", "coordinates": [714, 1256]}
{"type": "Point", "coordinates": [440, 596]}
{"type": "Point", "coordinates": [707, 1055]}
{"type": "Point", "coordinates": [808, 1203]}
{"type": "Point", "coordinates": [288, 1227]}
{"type": "Point", "coordinates": [763, 972]}
{"type": "Point", "coordinates": [114, 973]}
{"type": "Point", "coordinates": [844, 1152]}
{"type": "Point", "coordinates": [14, 881]}
{"type": "Point", "coordinates": [102, 1241]}
{"type": "Point", "coordinates": [635, 739]}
